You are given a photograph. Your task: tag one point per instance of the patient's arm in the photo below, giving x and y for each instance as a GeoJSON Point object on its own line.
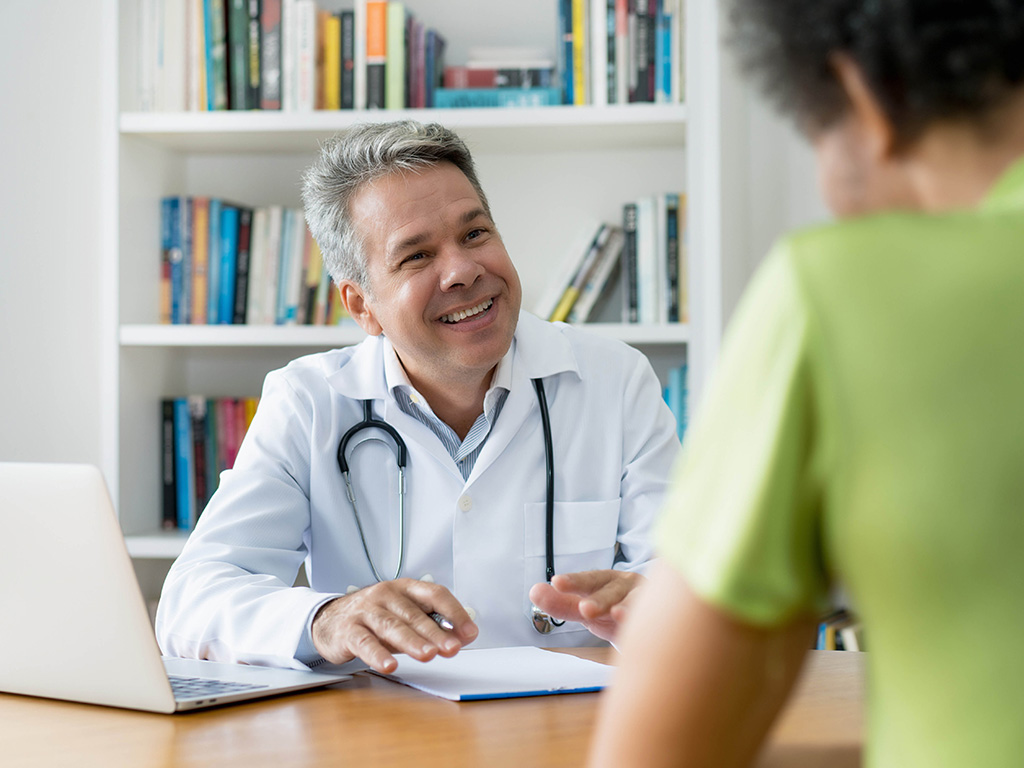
{"type": "Point", "coordinates": [694, 686]}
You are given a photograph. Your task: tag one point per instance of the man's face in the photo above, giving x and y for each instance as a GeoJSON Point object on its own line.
{"type": "Point", "coordinates": [433, 254]}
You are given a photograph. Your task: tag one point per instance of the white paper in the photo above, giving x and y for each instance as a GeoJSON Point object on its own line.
{"type": "Point", "coordinates": [497, 673]}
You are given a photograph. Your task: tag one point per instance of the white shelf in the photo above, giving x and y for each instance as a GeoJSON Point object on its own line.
{"type": "Point", "coordinates": [340, 336]}
{"type": "Point", "coordinates": [538, 129]}
{"type": "Point", "coordinates": [160, 545]}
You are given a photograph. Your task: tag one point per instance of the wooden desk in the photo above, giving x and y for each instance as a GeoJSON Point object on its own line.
{"type": "Point", "coordinates": [374, 722]}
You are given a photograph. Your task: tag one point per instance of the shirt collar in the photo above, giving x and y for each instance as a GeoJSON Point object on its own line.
{"type": "Point", "coordinates": [1008, 191]}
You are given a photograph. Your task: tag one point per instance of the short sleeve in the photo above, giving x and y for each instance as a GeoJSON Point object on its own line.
{"type": "Point", "coordinates": [742, 519]}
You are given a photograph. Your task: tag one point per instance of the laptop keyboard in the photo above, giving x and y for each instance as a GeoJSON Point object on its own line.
{"type": "Point", "coordinates": [192, 687]}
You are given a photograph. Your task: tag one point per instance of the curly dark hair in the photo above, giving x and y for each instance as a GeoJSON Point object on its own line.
{"type": "Point", "coordinates": [925, 60]}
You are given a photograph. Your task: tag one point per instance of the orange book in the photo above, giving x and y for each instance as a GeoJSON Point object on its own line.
{"type": "Point", "coordinates": [376, 52]}
{"type": "Point", "coordinates": [200, 258]}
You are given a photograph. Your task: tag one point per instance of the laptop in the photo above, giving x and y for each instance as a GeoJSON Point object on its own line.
{"type": "Point", "coordinates": [74, 622]}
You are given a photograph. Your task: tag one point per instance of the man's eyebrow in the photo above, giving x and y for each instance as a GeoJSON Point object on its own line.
{"type": "Point", "coordinates": [414, 240]}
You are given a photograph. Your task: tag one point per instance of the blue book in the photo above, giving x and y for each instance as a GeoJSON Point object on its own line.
{"type": "Point", "coordinates": [228, 256]}
{"type": "Point", "coordinates": [213, 267]}
{"type": "Point", "coordinates": [663, 56]}
{"type": "Point", "coordinates": [284, 267]}
{"type": "Point", "coordinates": [564, 49]}
{"type": "Point", "coordinates": [185, 240]}
{"type": "Point", "coordinates": [677, 397]}
{"type": "Point", "coordinates": [170, 235]}
{"type": "Point", "coordinates": [458, 98]}
{"type": "Point", "coordinates": [184, 468]}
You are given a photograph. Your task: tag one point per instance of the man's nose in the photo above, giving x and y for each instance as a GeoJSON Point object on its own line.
{"type": "Point", "coordinates": [459, 268]}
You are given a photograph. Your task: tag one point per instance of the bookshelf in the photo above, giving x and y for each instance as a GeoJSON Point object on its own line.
{"type": "Point", "coordinates": [547, 171]}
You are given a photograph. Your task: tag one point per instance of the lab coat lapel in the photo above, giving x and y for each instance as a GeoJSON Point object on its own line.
{"type": "Point", "coordinates": [362, 378]}
{"type": "Point", "coordinates": [541, 351]}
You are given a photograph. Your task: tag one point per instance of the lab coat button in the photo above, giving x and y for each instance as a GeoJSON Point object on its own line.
{"type": "Point", "coordinates": [465, 503]}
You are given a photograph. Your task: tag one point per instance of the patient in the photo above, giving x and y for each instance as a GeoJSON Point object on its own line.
{"type": "Point", "coordinates": [866, 422]}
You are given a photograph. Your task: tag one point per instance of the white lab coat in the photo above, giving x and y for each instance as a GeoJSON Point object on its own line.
{"type": "Point", "coordinates": [229, 596]}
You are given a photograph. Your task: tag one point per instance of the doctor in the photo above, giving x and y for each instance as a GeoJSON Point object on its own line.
{"type": "Point", "coordinates": [449, 365]}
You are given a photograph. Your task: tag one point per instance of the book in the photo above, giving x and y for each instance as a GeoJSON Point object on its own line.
{"type": "Point", "coordinates": [197, 411]}
{"type": "Point", "coordinates": [663, 75]}
{"type": "Point", "coordinates": [270, 54]}
{"type": "Point", "coordinates": [216, 55]}
{"type": "Point", "coordinates": [582, 274]}
{"type": "Point", "coordinates": [227, 263]}
{"type": "Point", "coordinates": [435, 61]}
{"type": "Point", "coordinates": [677, 397]}
{"type": "Point", "coordinates": [242, 266]}
{"type": "Point", "coordinates": [238, 53]}
{"type": "Point", "coordinates": [684, 269]}
{"type": "Point", "coordinates": [305, 81]}
{"type": "Point", "coordinates": [648, 265]}
{"type": "Point", "coordinates": [210, 452]}
{"type": "Point", "coordinates": [289, 55]}
{"type": "Point", "coordinates": [168, 299]}
{"type": "Point", "coordinates": [183, 466]}
{"type": "Point", "coordinates": [360, 22]}
{"type": "Point", "coordinates": [504, 77]}
{"type": "Point", "coordinates": [580, 53]}
{"type": "Point", "coordinates": [622, 53]}
{"type": "Point", "coordinates": [563, 274]}
{"type": "Point", "coordinates": [284, 268]}
{"type": "Point", "coordinates": [253, 47]}
{"type": "Point", "coordinates": [332, 62]}
{"type": "Point", "coordinates": [598, 19]}
{"type": "Point", "coordinates": [596, 282]}
{"type": "Point", "coordinates": [257, 266]}
{"type": "Point", "coordinates": [171, 67]}
{"type": "Point", "coordinates": [347, 63]}
{"type": "Point", "coordinates": [455, 98]}
{"type": "Point", "coordinates": [184, 239]}
{"type": "Point", "coordinates": [169, 506]}
{"type": "Point", "coordinates": [395, 62]}
{"type": "Point", "coordinates": [672, 257]}
{"type": "Point", "coordinates": [376, 53]}
{"type": "Point", "coordinates": [630, 296]}
{"type": "Point", "coordinates": [200, 258]}
{"type": "Point", "coordinates": [564, 48]}
{"type": "Point", "coordinates": [195, 56]}
{"type": "Point", "coordinates": [213, 271]}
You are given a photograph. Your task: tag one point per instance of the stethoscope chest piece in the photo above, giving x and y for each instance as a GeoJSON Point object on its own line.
{"type": "Point", "coordinates": [542, 622]}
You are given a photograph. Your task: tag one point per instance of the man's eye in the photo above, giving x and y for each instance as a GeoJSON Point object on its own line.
{"type": "Point", "coordinates": [414, 257]}
{"type": "Point", "coordinates": [475, 233]}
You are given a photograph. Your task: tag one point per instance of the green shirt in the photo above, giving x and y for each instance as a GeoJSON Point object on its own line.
{"type": "Point", "coordinates": [866, 425]}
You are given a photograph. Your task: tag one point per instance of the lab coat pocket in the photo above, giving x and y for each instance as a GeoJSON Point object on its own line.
{"type": "Point", "coordinates": [585, 533]}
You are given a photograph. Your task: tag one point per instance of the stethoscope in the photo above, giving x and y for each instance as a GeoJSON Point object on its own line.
{"type": "Point", "coordinates": [542, 621]}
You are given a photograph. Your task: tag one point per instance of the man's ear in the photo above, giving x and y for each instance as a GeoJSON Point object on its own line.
{"type": "Point", "coordinates": [354, 299]}
{"type": "Point", "coordinates": [866, 108]}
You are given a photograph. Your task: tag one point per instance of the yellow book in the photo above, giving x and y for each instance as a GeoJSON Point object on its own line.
{"type": "Point", "coordinates": [580, 52]}
{"type": "Point", "coordinates": [332, 62]}
{"type": "Point", "coordinates": [200, 258]}
{"type": "Point", "coordinates": [250, 403]}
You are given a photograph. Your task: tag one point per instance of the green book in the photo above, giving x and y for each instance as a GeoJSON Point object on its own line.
{"type": "Point", "coordinates": [394, 69]}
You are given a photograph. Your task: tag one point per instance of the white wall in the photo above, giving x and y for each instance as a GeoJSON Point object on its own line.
{"type": "Point", "coordinates": [49, 230]}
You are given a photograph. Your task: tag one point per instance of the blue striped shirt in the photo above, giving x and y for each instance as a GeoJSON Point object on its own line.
{"type": "Point", "coordinates": [463, 452]}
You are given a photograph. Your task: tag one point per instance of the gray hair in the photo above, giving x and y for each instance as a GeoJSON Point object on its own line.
{"type": "Point", "coordinates": [357, 157]}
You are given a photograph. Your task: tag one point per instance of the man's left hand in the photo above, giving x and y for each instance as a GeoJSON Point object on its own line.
{"type": "Point", "coordinates": [597, 599]}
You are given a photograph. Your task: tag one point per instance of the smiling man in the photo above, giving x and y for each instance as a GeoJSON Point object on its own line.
{"type": "Point", "coordinates": [528, 449]}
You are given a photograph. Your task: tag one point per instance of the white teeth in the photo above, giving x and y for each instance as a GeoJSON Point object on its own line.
{"type": "Point", "coordinates": [455, 317]}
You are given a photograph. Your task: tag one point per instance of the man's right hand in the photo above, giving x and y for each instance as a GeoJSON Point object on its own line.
{"type": "Point", "coordinates": [391, 617]}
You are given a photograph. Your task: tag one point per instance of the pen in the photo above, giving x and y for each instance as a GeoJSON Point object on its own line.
{"type": "Point", "coordinates": [442, 622]}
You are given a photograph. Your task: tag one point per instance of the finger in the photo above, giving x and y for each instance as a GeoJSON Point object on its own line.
{"type": "Point", "coordinates": [582, 583]}
{"type": "Point", "coordinates": [555, 603]}
{"type": "Point", "coordinates": [362, 643]}
{"type": "Point", "coordinates": [395, 629]}
{"type": "Point", "coordinates": [417, 617]}
{"type": "Point", "coordinates": [433, 598]}
{"type": "Point", "coordinates": [616, 592]}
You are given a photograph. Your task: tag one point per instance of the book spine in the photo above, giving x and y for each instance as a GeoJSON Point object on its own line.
{"type": "Point", "coordinates": [200, 257]}
{"type": "Point", "coordinates": [598, 279]}
{"type": "Point", "coordinates": [565, 50]}
{"type": "Point", "coordinates": [305, 51]}
{"type": "Point", "coordinates": [312, 267]}
{"type": "Point", "coordinates": [213, 271]}
{"type": "Point", "coordinates": [684, 308]}
{"type": "Point", "coordinates": [672, 256]}
{"type": "Point", "coordinates": [167, 461]}
{"type": "Point", "coordinates": [622, 56]}
{"type": "Point", "coordinates": [284, 268]}
{"type": "Point", "coordinates": [630, 304]}
{"type": "Point", "coordinates": [197, 410]}
{"type": "Point", "coordinates": [185, 239]}
{"type": "Point", "coordinates": [360, 22]}
{"type": "Point", "coordinates": [580, 52]}
{"type": "Point", "coordinates": [448, 98]}
{"type": "Point", "coordinates": [238, 53]}
{"type": "Point", "coordinates": [240, 301]}
{"type": "Point", "coordinates": [184, 474]}
{"type": "Point", "coordinates": [195, 57]}
{"type": "Point", "coordinates": [297, 262]}
{"type": "Point", "coordinates": [271, 274]}
{"type": "Point", "coordinates": [167, 300]}
{"type": "Point", "coordinates": [257, 266]}
{"type": "Point", "coordinates": [579, 280]}
{"type": "Point", "coordinates": [252, 90]}
{"type": "Point", "coordinates": [227, 263]}
{"type": "Point", "coordinates": [216, 55]}
{"type": "Point", "coordinates": [270, 54]}
{"type": "Point", "coordinates": [289, 55]}
{"type": "Point", "coordinates": [332, 62]}
{"type": "Point", "coordinates": [395, 62]}
{"type": "Point", "coordinates": [598, 36]}
{"type": "Point", "coordinates": [212, 470]}
{"type": "Point", "coordinates": [647, 262]}
{"type": "Point", "coordinates": [376, 53]}
{"type": "Point", "coordinates": [663, 55]}
{"type": "Point", "coordinates": [348, 53]}
{"type": "Point", "coordinates": [611, 72]}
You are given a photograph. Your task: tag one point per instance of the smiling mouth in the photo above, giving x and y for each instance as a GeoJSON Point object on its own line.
{"type": "Point", "coordinates": [461, 315]}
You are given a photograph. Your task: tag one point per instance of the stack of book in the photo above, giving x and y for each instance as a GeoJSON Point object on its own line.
{"type": "Point", "coordinates": [647, 253]}
{"type": "Point", "coordinates": [205, 55]}
{"type": "Point", "coordinates": [200, 438]}
{"type": "Point", "coordinates": [620, 51]}
{"type": "Point", "coordinates": [501, 77]}
{"type": "Point", "coordinates": [228, 264]}
{"type": "Point", "coordinates": [840, 630]}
